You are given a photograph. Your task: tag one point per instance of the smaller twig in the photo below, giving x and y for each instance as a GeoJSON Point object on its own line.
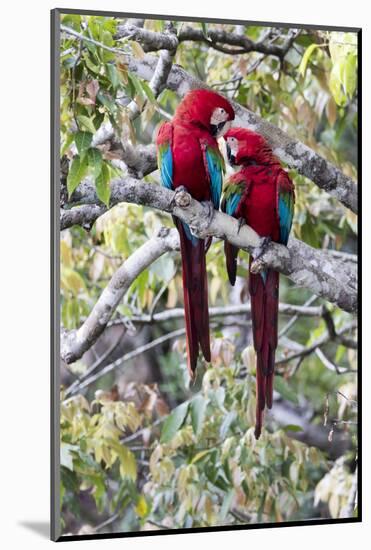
{"type": "Point", "coordinates": [137, 434]}
{"type": "Point", "coordinates": [82, 37]}
{"type": "Point", "coordinates": [86, 381]}
{"type": "Point", "coordinates": [105, 254]}
{"type": "Point", "coordinates": [156, 300]}
{"type": "Point", "coordinates": [318, 343]}
{"type": "Point", "coordinates": [96, 363]}
{"type": "Point", "coordinates": [108, 521]}
{"type": "Point", "coordinates": [293, 320]}
{"type": "Point", "coordinates": [157, 524]}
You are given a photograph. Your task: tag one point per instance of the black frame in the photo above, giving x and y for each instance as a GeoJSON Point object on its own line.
{"type": "Point", "coordinates": [55, 278]}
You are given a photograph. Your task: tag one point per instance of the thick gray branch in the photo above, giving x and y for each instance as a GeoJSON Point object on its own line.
{"type": "Point", "coordinates": [150, 40]}
{"type": "Point", "coordinates": [297, 155]}
{"type": "Point", "coordinates": [328, 277]}
{"type": "Point", "coordinates": [215, 38]}
{"type": "Point", "coordinates": [75, 343]}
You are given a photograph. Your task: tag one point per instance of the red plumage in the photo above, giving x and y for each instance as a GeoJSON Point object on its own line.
{"type": "Point", "coordinates": [261, 184]}
{"type": "Point", "coordinates": [189, 135]}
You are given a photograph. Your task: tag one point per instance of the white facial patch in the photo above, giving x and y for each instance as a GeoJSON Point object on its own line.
{"type": "Point", "coordinates": [219, 115]}
{"type": "Point", "coordinates": [232, 143]}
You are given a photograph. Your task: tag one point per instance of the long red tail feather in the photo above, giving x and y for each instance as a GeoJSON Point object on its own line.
{"type": "Point", "coordinates": [195, 298]}
{"type": "Point", "coordinates": [264, 314]}
{"type": "Point", "coordinates": [231, 253]}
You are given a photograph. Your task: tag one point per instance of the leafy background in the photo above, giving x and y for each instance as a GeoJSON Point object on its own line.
{"type": "Point", "coordinates": [142, 448]}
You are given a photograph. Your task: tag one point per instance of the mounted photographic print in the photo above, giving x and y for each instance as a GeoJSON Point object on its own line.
{"type": "Point", "coordinates": [204, 278]}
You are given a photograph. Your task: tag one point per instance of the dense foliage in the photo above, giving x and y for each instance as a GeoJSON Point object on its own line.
{"type": "Point", "coordinates": [141, 448]}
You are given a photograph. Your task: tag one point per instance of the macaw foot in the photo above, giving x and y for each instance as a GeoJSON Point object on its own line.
{"type": "Point", "coordinates": [261, 248]}
{"type": "Point", "coordinates": [241, 223]}
{"type": "Point", "coordinates": [181, 197]}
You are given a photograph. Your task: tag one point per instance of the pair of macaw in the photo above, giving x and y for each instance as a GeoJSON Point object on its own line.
{"type": "Point", "coordinates": [260, 194]}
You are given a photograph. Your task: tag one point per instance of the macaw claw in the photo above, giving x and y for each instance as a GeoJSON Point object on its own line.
{"type": "Point", "coordinates": [261, 248]}
{"type": "Point", "coordinates": [209, 211]}
{"type": "Point", "coordinates": [241, 223]}
{"type": "Point", "coordinates": [181, 197]}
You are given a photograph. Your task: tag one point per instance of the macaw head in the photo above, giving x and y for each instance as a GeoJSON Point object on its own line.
{"type": "Point", "coordinates": [206, 109]}
{"type": "Point", "coordinates": [247, 148]}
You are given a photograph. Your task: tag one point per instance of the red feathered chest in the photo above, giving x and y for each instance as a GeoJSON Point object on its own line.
{"type": "Point", "coordinates": [188, 160]}
{"type": "Point", "coordinates": [259, 202]}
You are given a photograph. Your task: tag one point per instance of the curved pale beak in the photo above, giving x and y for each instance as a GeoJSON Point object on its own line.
{"type": "Point", "coordinates": [220, 128]}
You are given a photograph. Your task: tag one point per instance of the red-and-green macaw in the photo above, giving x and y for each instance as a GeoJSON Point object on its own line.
{"type": "Point", "coordinates": [188, 156]}
{"type": "Point", "coordinates": [260, 194]}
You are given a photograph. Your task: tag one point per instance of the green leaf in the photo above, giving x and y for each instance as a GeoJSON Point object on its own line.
{"type": "Point", "coordinates": [83, 141]}
{"type": "Point", "coordinates": [148, 92]}
{"type": "Point", "coordinates": [66, 456]}
{"type": "Point", "coordinates": [350, 74]}
{"type": "Point", "coordinates": [136, 83]}
{"type": "Point", "coordinates": [76, 173]}
{"type": "Point", "coordinates": [200, 455]}
{"type": "Point", "coordinates": [198, 409]}
{"type": "Point", "coordinates": [95, 161]}
{"type": "Point", "coordinates": [86, 123]}
{"type": "Point", "coordinates": [227, 501]}
{"type": "Point", "coordinates": [174, 422]}
{"type": "Point", "coordinates": [164, 268]}
{"type": "Point", "coordinates": [128, 465]}
{"type": "Point", "coordinates": [284, 389]}
{"type": "Point", "coordinates": [113, 75]}
{"type": "Point", "coordinates": [119, 238]}
{"type": "Point", "coordinates": [340, 353]}
{"type": "Point", "coordinates": [292, 428]}
{"type": "Point", "coordinates": [107, 101]}
{"type": "Point", "coordinates": [204, 30]}
{"type": "Point", "coordinates": [102, 186]}
{"type": "Point", "coordinates": [305, 59]}
{"type": "Point", "coordinates": [71, 20]}
{"type": "Point", "coordinates": [226, 424]}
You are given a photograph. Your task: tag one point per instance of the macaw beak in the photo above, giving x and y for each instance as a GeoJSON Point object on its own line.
{"type": "Point", "coordinates": [231, 158]}
{"type": "Point", "coordinates": [218, 130]}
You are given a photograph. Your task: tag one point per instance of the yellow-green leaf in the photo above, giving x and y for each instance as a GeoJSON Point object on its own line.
{"type": "Point", "coordinates": [305, 59]}
{"type": "Point", "coordinates": [77, 172]}
{"type": "Point", "coordinates": [102, 186]}
{"type": "Point", "coordinates": [83, 141]}
{"type": "Point", "coordinates": [174, 422]}
{"type": "Point", "coordinates": [86, 123]}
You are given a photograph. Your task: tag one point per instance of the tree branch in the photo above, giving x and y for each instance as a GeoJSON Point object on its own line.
{"type": "Point", "coordinates": [89, 378]}
{"type": "Point", "coordinates": [150, 40]}
{"type": "Point", "coordinates": [324, 339]}
{"type": "Point", "coordinates": [160, 74]}
{"type": "Point", "coordinates": [178, 313]}
{"type": "Point", "coordinates": [75, 343]}
{"type": "Point", "coordinates": [215, 38]}
{"type": "Point", "coordinates": [332, 279]}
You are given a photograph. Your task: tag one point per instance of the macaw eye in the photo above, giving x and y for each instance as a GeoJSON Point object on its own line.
{"type": "Point", "coordinates": [222, 111]}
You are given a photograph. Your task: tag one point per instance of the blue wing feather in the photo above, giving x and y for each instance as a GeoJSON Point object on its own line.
{"type": "Point", "coordinates": [165, 161]}
{"type": "Point", "coordinates": [232, 203]}
{"type": "Point", "coordinates": [286, 199]}
{"type": "Point", "coordinates": [215, 170]}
